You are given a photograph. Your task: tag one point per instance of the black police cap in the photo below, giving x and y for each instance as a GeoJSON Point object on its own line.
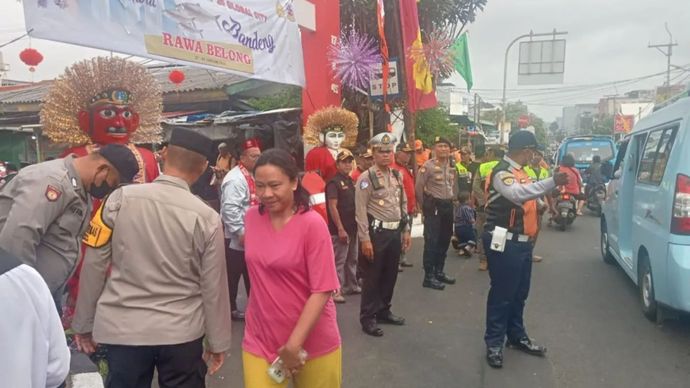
{"type": "Point", "coordinates": [122, 158]}
{"type": "Point", "coordinates": [522, 140]}
{"type": "Point", "coordinates": [441, 139]}
{"type": "Point", "coordinates": [192, 141]}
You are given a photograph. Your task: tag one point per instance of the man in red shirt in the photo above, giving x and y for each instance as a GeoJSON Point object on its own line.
{"type": "Point", "coordinates": [403, 156]}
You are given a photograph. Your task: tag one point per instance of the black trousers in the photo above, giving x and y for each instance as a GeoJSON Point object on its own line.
{"type": "Point", "coordinates": [510, 272]}
{"type": "Point", "coordinates": [380, 275]}
{"type": "Point", "coordinates": [237, 268]}
{"type": "Point", "coordinates": [179, 366]}
{"type": "Point", "coordinates": [438, 230]}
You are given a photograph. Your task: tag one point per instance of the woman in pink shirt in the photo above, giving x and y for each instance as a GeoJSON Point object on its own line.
{"type": "Point", "coordinates": [292, 270]}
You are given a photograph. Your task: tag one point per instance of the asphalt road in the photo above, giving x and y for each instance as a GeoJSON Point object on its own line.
{"type": "Point", "coordinates": [586, 313]}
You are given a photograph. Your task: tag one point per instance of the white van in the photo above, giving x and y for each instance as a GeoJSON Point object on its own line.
{"type": "Point", "coordinates": [645, 224]}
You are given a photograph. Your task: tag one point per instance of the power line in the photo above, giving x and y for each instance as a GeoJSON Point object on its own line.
{"type": "Point", "coordinates": [16, 39]}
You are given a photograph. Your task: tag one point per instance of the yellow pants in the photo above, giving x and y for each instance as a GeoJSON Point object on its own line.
{"type": "Point", "coordinates": [321, 372]}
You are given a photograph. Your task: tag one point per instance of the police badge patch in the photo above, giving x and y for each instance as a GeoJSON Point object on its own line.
{"type": "Point", "coordinates": [363, 185]}
{"type": "Point", "coordinates": [52, 193]}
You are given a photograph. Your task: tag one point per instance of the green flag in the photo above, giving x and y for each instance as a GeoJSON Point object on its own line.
{"type": "Point", "coordinates": [460, 53]}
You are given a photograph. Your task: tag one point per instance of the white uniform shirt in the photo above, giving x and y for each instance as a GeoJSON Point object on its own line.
{"type": "Point", "coordinates": [34, 352]}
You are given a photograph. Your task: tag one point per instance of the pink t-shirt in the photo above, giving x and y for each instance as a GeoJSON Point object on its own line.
{"type": "Point", "coordinates": [285, 268]}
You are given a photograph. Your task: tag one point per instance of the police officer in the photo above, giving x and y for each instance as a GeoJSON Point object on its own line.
{"type": "Point", "coordinates": [463, 167]}
{"type": "Point", "coordinates": [381, 204]}
{"type": "Point", "coordinates": [478, 192]}
{"type": "Point", "coordinates": [436, 189]}
{"type": "Point", "coordinates": [167, 287]}
{"type": "Point", "coordinates": [45, 209]}
{"type": "Point", "coordinates": [511, 224]}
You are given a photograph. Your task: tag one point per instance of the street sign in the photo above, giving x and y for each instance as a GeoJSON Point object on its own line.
{"type": "Point", "coordinates": [541, 62]}
{"type": "Point", "coordinates": [376, 81]}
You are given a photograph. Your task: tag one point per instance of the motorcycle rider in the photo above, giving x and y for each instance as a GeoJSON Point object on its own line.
{"type": "Point", "coordinates": [595, 177]}
{"type": "Point", "coordinates": [574, 186]}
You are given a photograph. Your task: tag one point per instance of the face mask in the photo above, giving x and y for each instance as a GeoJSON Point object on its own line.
{"type": "Point", "coordinates": [101, 190]}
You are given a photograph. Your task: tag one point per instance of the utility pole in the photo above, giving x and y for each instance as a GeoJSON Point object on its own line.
{"type": "Point", "coordinates": [667, 50]}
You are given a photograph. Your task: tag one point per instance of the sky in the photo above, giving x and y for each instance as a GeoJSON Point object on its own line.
{"type": "Point", "coordinates": [606, 42]}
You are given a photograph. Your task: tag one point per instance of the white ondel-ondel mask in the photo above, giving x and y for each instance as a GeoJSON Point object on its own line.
{"type": "Point", "coordinates": [334, 139]}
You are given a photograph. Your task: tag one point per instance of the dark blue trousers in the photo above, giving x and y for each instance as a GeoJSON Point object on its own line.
{"type": "Point", "coordinates": [438, 230]}
{"type": "Point", "coordinates": [510, 272]}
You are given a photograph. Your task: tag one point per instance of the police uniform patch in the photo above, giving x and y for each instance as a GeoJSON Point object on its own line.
{"type": "Point", "coordinates": [509, 180]}
{"type": "Point", "coordinates": [382, 202]}
{"type": "Point", "coordinates": [422, 170]}
{"type": "Point", "coordinates": [52, 193]}
{"type": "Point", "coordinates": [363, 185]}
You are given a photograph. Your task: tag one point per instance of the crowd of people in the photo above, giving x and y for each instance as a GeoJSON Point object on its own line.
{"type": "Point", "coordinates": [141, 255]}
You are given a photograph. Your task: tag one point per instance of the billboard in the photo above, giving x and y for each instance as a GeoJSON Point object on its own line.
{"type": "Point", "coordinates": [541, 62]}
{"type": "Point", "coordinates": [623, 123]}
{"type": "Point", "coordinates": [254, 38]}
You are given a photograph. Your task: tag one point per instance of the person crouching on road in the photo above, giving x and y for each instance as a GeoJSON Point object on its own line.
{"type": "Point", "coordinates": [464, 224]}
{"type": "Point", "coordinates": [511, 225]}
{"type": "Point", "coordinates": [340, 196]}
{"type": "Point", "coordinates": [292, 270]}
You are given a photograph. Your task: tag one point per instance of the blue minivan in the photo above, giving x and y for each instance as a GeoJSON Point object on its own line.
{"type": "Point", "coordinates": [584, 148]}
{"type": "Point", "coordinates": [645, 224]}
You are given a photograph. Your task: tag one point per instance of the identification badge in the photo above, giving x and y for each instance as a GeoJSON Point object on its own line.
{"type": "Point", "coordinates": [382, 202]}
{"type": "Point", "coordinates": [98, 234]}
{"type": "Point", "coordinates": [498, 239]}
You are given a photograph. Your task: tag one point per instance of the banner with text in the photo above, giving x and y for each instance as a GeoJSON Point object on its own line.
{"type": "Point", "coordinates": [253, 38]}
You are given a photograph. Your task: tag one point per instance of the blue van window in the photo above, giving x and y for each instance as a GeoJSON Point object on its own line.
{"type": "Point", "coordinates": [584, 150]}
{"type": "Point", "coordinates": [657, 151]}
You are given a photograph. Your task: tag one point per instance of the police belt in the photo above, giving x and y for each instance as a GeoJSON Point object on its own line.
{"type": "Point", "coordinates": [386, 225]}
{"type": "Point", "coordinates": [516, 237]}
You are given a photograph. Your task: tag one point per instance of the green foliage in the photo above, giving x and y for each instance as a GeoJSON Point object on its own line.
{"type": "Point", "coordinates": [603, 126]}
{"type": "Point", "coordinates": [445, 14]}
{"type": "Point", "coordinates": [289, 98]}
{"type": "Point", "coordinates": [513, 112]}
{"type": "Point", "coordinates": [435, 122]}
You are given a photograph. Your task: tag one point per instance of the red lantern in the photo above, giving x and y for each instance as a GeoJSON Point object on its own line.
{"type": "Point", "coordinates": [31, 57]}
{"type": "Point", "coordinates": [176, 77]}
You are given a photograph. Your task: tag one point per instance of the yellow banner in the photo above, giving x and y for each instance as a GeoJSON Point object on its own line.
{"type": "Point", "coordinates": [228, 56]}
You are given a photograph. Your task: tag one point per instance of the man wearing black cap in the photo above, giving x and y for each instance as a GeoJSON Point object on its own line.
{"type": "Point", "coordinates": [511, 225]}
{"type": "Point", "coordinates": [167, 288]}
{"type": "Point", "coordinates": [45, 209]}
{"type": "Point", "coordinates": [436, 188]}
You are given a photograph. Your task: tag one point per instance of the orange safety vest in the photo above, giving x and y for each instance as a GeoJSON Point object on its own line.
{"type": "Point", "coordinates": [502, 212]}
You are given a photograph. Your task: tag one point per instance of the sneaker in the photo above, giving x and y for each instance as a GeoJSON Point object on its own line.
{"type": "Point", "coordinates": [338, 298]}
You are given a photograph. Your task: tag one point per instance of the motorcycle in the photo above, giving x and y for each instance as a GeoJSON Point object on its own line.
{"type": "Point", "coordinates": [596, 196]}
{"type": "Point", "coordinates": [566, 209]}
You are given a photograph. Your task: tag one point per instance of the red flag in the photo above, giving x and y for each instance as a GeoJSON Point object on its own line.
{"type": "Point", "coordinates": [420, 92]}
{"type": "Point", "coordinates": [321, 89]}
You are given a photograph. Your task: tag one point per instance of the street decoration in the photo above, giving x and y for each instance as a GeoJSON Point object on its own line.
{"type": "Point", "coordinates": [435, 52]}
{"type": "Point", "coordinates": [255, 39]}
{"type": "Point", "coordinates": [31, 57]}
{"type": "Point", "coordinates": [354, 58]}
{"type": "Point", "coordinates": [176, 77]}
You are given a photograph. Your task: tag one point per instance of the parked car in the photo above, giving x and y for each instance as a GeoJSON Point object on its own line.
{"type": "Point", "coordinates": [645, 225]}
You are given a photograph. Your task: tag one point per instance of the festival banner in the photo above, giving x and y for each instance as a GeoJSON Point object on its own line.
{"type": "Point", "coordinates": [253, 38]}
{"type": "Point", "coordinates": [419, 81]}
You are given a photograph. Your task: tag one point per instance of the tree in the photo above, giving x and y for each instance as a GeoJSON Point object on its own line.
{"type": "Point", "coordinates": [513, 112]}
{"type": "Point", "coordinates": [603, 126]}
{"type": "Point", "coordinates": [289, 98]}
{"type": "Point", "coordinates": [553, 127]}
{"type": "Point", "coordinates": [435, 122]}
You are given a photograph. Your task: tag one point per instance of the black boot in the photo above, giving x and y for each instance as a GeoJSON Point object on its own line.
{"type": "Point", "coordinates": [443, 278]}
{"type": "Point", "coordinates": [430, 281]}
